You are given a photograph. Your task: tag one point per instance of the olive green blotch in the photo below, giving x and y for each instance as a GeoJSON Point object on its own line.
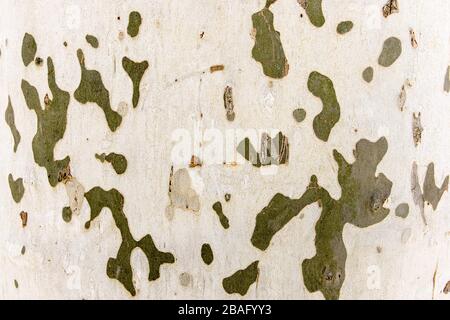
{"type": "Point", "coordinates": [119, 268]}
{"type": "Point", "coordinates": [368, 74]}
{"type": "Point", "coordinates": [268, 49]}
{"type": "Point", "coordinates": [67, 214]}
{"type": "Point", "coordinates": [217, 207]}
{"type": "Point", "coordinates": [134, 23]}
{"type": "Point", "coordinates": [29, 49]}
{"type": "Point", "coordinates": [240, 281]}
{"type": "Point", "coordinates": [17, 188]}
{"type": "Point", "coordinates": [402, 210]}
{"type": "Point", "coordinates": [273, 151]}
{"type": "Point", "coordinates": [207, 254]}
{"type": "Point", "coordinates": [118, 161]}
{"type": "Point", "coordinates": [361, 204]}
{"type": "Point", "coordinates": [93, 41]}
{"type": "Point", "coordinates": [392, 49]}
{"type": "Point", "coordinates": [315, 13]}
{"type": "Point", "coordinates": [299, 115]}
{"type": "Point", "coordinates": [135, 71]}
{"type": "Point", "coordinates": [10, 121]}
{"type": "Point", "coordinates": [16, 284]}
{"type": "Point", "coordinates": [51, 125]}
{"type": "Point", "coordinates": [344, 27]}
{"type": "Point", "coordinates": [92, 89]}
{"type": "Point", "coordinates": [322, 87]}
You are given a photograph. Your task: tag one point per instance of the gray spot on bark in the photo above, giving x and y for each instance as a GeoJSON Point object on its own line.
{"type": "Point", "coordinates": [431, 193]}
{"type": "Point", "coordinates": [402, 210]}
{"type": "Point", "coordinates": [390, 7]}
{"type": "Point", "coordinates": [181, 193]}
{"type": "Point", "coordinates": [185, 279]}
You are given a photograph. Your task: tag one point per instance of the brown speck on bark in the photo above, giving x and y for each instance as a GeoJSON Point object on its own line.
{"type": "Point", "coordinates": [303, 4]}
{"type": "Point", "coordinates": [24, 218]}
{"type": "Point", "coordinates": [170, 179]}
{"type": "Point", "coordinates": [417, 129]}
{"type": "Point", "coordinates": [228, 103]}
{"type": "Point", "coordinates": [64, 175]}
{"type": "Point", "coordinates": [447, 288]}
{"type": "Point", "coordinates": [65, 43]}
{"type": "Point", "coordinates": [402, 96]}
{"type": "Point", "coordinates": [390, 7]}
{"type": "Point", "coordinates": [195, 162]}
{"type": "Point", "coordinates": [202, 34]}
{"type": "Point", "coordinates": [38, 61]}
{"type": "Point", "coordinates": [412, 34]}
{"type": "Point", "coordinates": [217, 67]}
{"type": "Point", "coordinates": [253, 33]}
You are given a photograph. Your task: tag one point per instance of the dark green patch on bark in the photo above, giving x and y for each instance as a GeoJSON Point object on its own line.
{"type": "Point", "coordinates": [207, 254]}
{"type": "Point", "coordinates": [268, 49]}
{"type": "Point", "coordinates": [217, 207]}
{"type": "Point", "coordinates": [135, 71]}
{"type": "Point", "coordinates": [361, 204]}
{"type": "Point", "coordinates": [314, 12]}
{"type": "Point", "coordinates": [240, 281]}
{"type": "Point", "coordinates": [368, 74]}
{"type": "Point", "coordinates": [93, 41]}
{"type": "Point", "coordinates": [119, 268]}
{"type": "Point", "coordinates": [92, 89]}
{"type": "Point", "coordinates": [134, 23]}
{"type": "Point", "coordinates": [67, 214]}
{"type": "Point", "coordinates": [16, 187]}
{"type": "Point", "coordinates": [118, 161]}
{"type": "Point", "coordinates": [344, 27]}
{"type": "Point", "coordinates": [29, 49]}
{"type": "Point", "coordinates": [322, 87]}
{"type": "Point", "coordinates": [51, 125]}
